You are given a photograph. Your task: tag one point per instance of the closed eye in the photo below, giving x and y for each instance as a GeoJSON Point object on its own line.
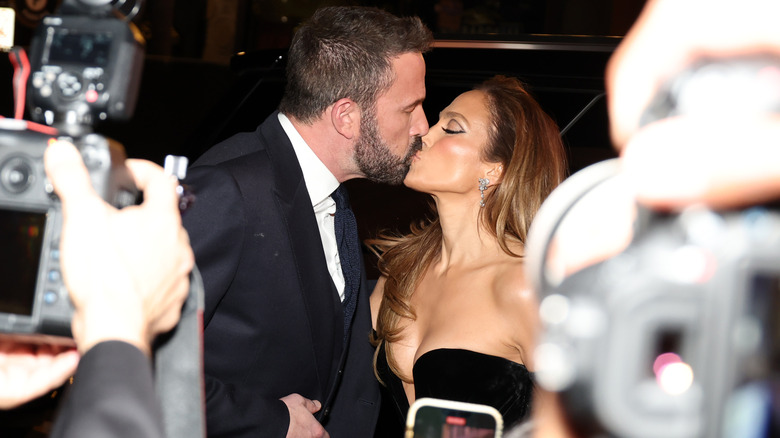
{"type": "Point", "coordinates": [452, 131]}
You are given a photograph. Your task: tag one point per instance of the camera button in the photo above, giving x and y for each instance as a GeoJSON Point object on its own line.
{"type": "Point", "coordinates": [50, 297]}
{"type": "Point", "coordinates": [16, 174]}
{"type": "Point", "coordinates": [92, 96]}
{"type": "Point", "coordinates": [69, 84]}
{"type": "Point", "coordinates": [54, 275]}
{"type": "Point", "coordinates": [38, 80]}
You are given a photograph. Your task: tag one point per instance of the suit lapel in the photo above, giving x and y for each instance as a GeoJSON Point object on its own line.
{"type": "Point", "coordinates": [323, 307]}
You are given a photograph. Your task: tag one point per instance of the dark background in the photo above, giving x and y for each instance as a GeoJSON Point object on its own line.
{"type": "Point", "coordinates": [190, 44]}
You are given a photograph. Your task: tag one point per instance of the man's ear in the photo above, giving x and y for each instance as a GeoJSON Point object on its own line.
{"type": "Point", "coordinates": [345, 117]}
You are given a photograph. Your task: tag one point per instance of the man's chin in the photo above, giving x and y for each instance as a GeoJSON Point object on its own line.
{"type": "Point", "coordinates": [384, 177]}
{"type": "Point", "coordinates": [382, 166]}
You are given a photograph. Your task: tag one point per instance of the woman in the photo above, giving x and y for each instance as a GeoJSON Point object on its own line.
{"type": "Point", "coordinates": [453, 315]}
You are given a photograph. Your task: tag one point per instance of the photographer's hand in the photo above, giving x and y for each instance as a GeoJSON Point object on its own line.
{"type": "Point", "coordinates": [30, 371]}
{"type": "Point", "coordinates": [731, 161]}
{"type": "Point", "coordinates": [127, 271]}
{"type": "Point", "coordinates": [671, 163]}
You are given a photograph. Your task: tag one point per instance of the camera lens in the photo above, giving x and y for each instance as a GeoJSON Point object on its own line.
{"type": "Point", "coordinates": [16, 175]}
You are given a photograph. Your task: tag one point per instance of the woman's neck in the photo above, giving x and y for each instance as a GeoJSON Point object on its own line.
{"type": "Point", "coordinates": [465, 240]}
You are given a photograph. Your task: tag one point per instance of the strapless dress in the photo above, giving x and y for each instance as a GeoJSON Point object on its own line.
{"type": "Point", "coordinates": [460, 375]}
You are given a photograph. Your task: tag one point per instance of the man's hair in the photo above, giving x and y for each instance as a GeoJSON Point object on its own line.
{"type": "Point", "coordinates": [347, 52]}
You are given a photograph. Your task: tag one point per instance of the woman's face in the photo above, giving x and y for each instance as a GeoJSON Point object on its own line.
{"type": "Point", "coordinates": [450, 160]}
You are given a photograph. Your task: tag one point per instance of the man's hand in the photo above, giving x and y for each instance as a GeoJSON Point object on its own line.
{"type": "Point", "coordinates": [127, 271]}
{"type": "Point", "coordinates": [302, 421]}
{"type": "Point", "coordinates": [30, 371]}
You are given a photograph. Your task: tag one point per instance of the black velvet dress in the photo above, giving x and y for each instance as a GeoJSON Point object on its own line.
{"type": "Point", "coordinates": [460, 375]}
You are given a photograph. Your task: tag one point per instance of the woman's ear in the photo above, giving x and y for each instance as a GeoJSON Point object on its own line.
{"type": "Point", "coordinates": [345, 117]}
{"type": "Point", "coordinates": [495, 173]}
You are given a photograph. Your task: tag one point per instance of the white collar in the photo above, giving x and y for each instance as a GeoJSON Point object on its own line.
{"type": "Point", "coordinates": [320, 182]}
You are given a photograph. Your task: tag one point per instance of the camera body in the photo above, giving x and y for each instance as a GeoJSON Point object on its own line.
{"type": "Point", "coordinates": [35, 300]}
{"type": "Point", "coordinates": [667, 337]}
{"type": "Point", "coordinates": [678, 334]}
{"type": "Point", "coordinates": [85, 68]}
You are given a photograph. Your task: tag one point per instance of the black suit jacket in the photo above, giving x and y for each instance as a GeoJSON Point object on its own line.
{"type": "Point", "coordinates": [273, 319]}
{"type": "Point", "coordinates": [112, 396]}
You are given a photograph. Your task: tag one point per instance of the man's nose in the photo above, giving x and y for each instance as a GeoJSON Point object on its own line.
{"type": "Point", "coordinates": [419, 122]}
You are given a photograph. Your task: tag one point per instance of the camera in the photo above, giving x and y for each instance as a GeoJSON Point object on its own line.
{"type": "Point", "coordinates": [668, 337]}
{"type": "Point", "coordinates": [677, 335]}
{"type": "Point", "coordinates": [34, 300]}
{"type": "Point", "coordinates": [85, 68]}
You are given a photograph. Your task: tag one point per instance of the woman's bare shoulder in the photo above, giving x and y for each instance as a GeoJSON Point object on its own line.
{"type": "Point", "coordinates": [518, 307]}
{"type": "Point", "coordinates": [511, 285]}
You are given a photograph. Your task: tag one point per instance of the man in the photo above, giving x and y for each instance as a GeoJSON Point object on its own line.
{"type": "Point", "coordinates": [731, 162]}
{"type": "Point", "coordinates": [281, 358]}
{"type": "Point", "coordinates": [127, 274]}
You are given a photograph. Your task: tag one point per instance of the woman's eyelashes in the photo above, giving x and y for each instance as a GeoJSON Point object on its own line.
{"type": "Point", "coordinates": [453, 129]}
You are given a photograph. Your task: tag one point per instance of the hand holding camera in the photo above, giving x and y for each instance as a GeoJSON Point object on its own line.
{"type": "Point", "coordinates": [85, 68]}
{"type": "Point", "coordinates": [127, 272]}
{"type": "Point", "coordinates": [134, 288]}
{"type": "Point", "coordinates": [75, 256]}
{"type": "Point", "coordinates": [668, 36]}
{"type": "Point", "coordinates": [693, 281]}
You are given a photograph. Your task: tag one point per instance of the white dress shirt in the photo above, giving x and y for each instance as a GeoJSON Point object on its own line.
{"type": "Point", "coordinates": [320, 183]}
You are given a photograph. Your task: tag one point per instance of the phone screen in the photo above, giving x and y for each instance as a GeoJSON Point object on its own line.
{"type": "Point", "coordinates": [442, 419]}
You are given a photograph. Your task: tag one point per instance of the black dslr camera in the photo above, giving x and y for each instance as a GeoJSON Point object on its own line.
{"type": "Point", "coordinates": [678, 335]}
{"type": "Point", "coordinates": [85, 67]}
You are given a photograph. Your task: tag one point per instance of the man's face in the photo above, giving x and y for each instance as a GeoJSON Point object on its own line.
{"type": "Point", "coordinates": [390, 137]}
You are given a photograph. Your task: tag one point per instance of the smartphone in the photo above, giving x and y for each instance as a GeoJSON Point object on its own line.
{"type": "Point", "coordinates": [436, 418]}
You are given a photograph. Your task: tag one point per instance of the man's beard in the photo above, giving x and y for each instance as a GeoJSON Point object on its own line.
{"type": "Point", "coordinates": [374, 158]}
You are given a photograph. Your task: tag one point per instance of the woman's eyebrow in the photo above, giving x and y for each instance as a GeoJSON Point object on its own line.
{"type": "Point", "coordinates": [453, 115]}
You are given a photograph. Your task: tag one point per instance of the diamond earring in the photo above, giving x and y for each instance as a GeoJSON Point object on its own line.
{"type": "Point", "coordinates": [483, 183]}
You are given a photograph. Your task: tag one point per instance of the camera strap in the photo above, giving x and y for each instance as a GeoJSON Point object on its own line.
{"type": "Point", "coordinates": [179, 369]}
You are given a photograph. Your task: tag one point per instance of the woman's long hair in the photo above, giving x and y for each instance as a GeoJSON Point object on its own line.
{"type": "Point", "coordinates": [527, 143]}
